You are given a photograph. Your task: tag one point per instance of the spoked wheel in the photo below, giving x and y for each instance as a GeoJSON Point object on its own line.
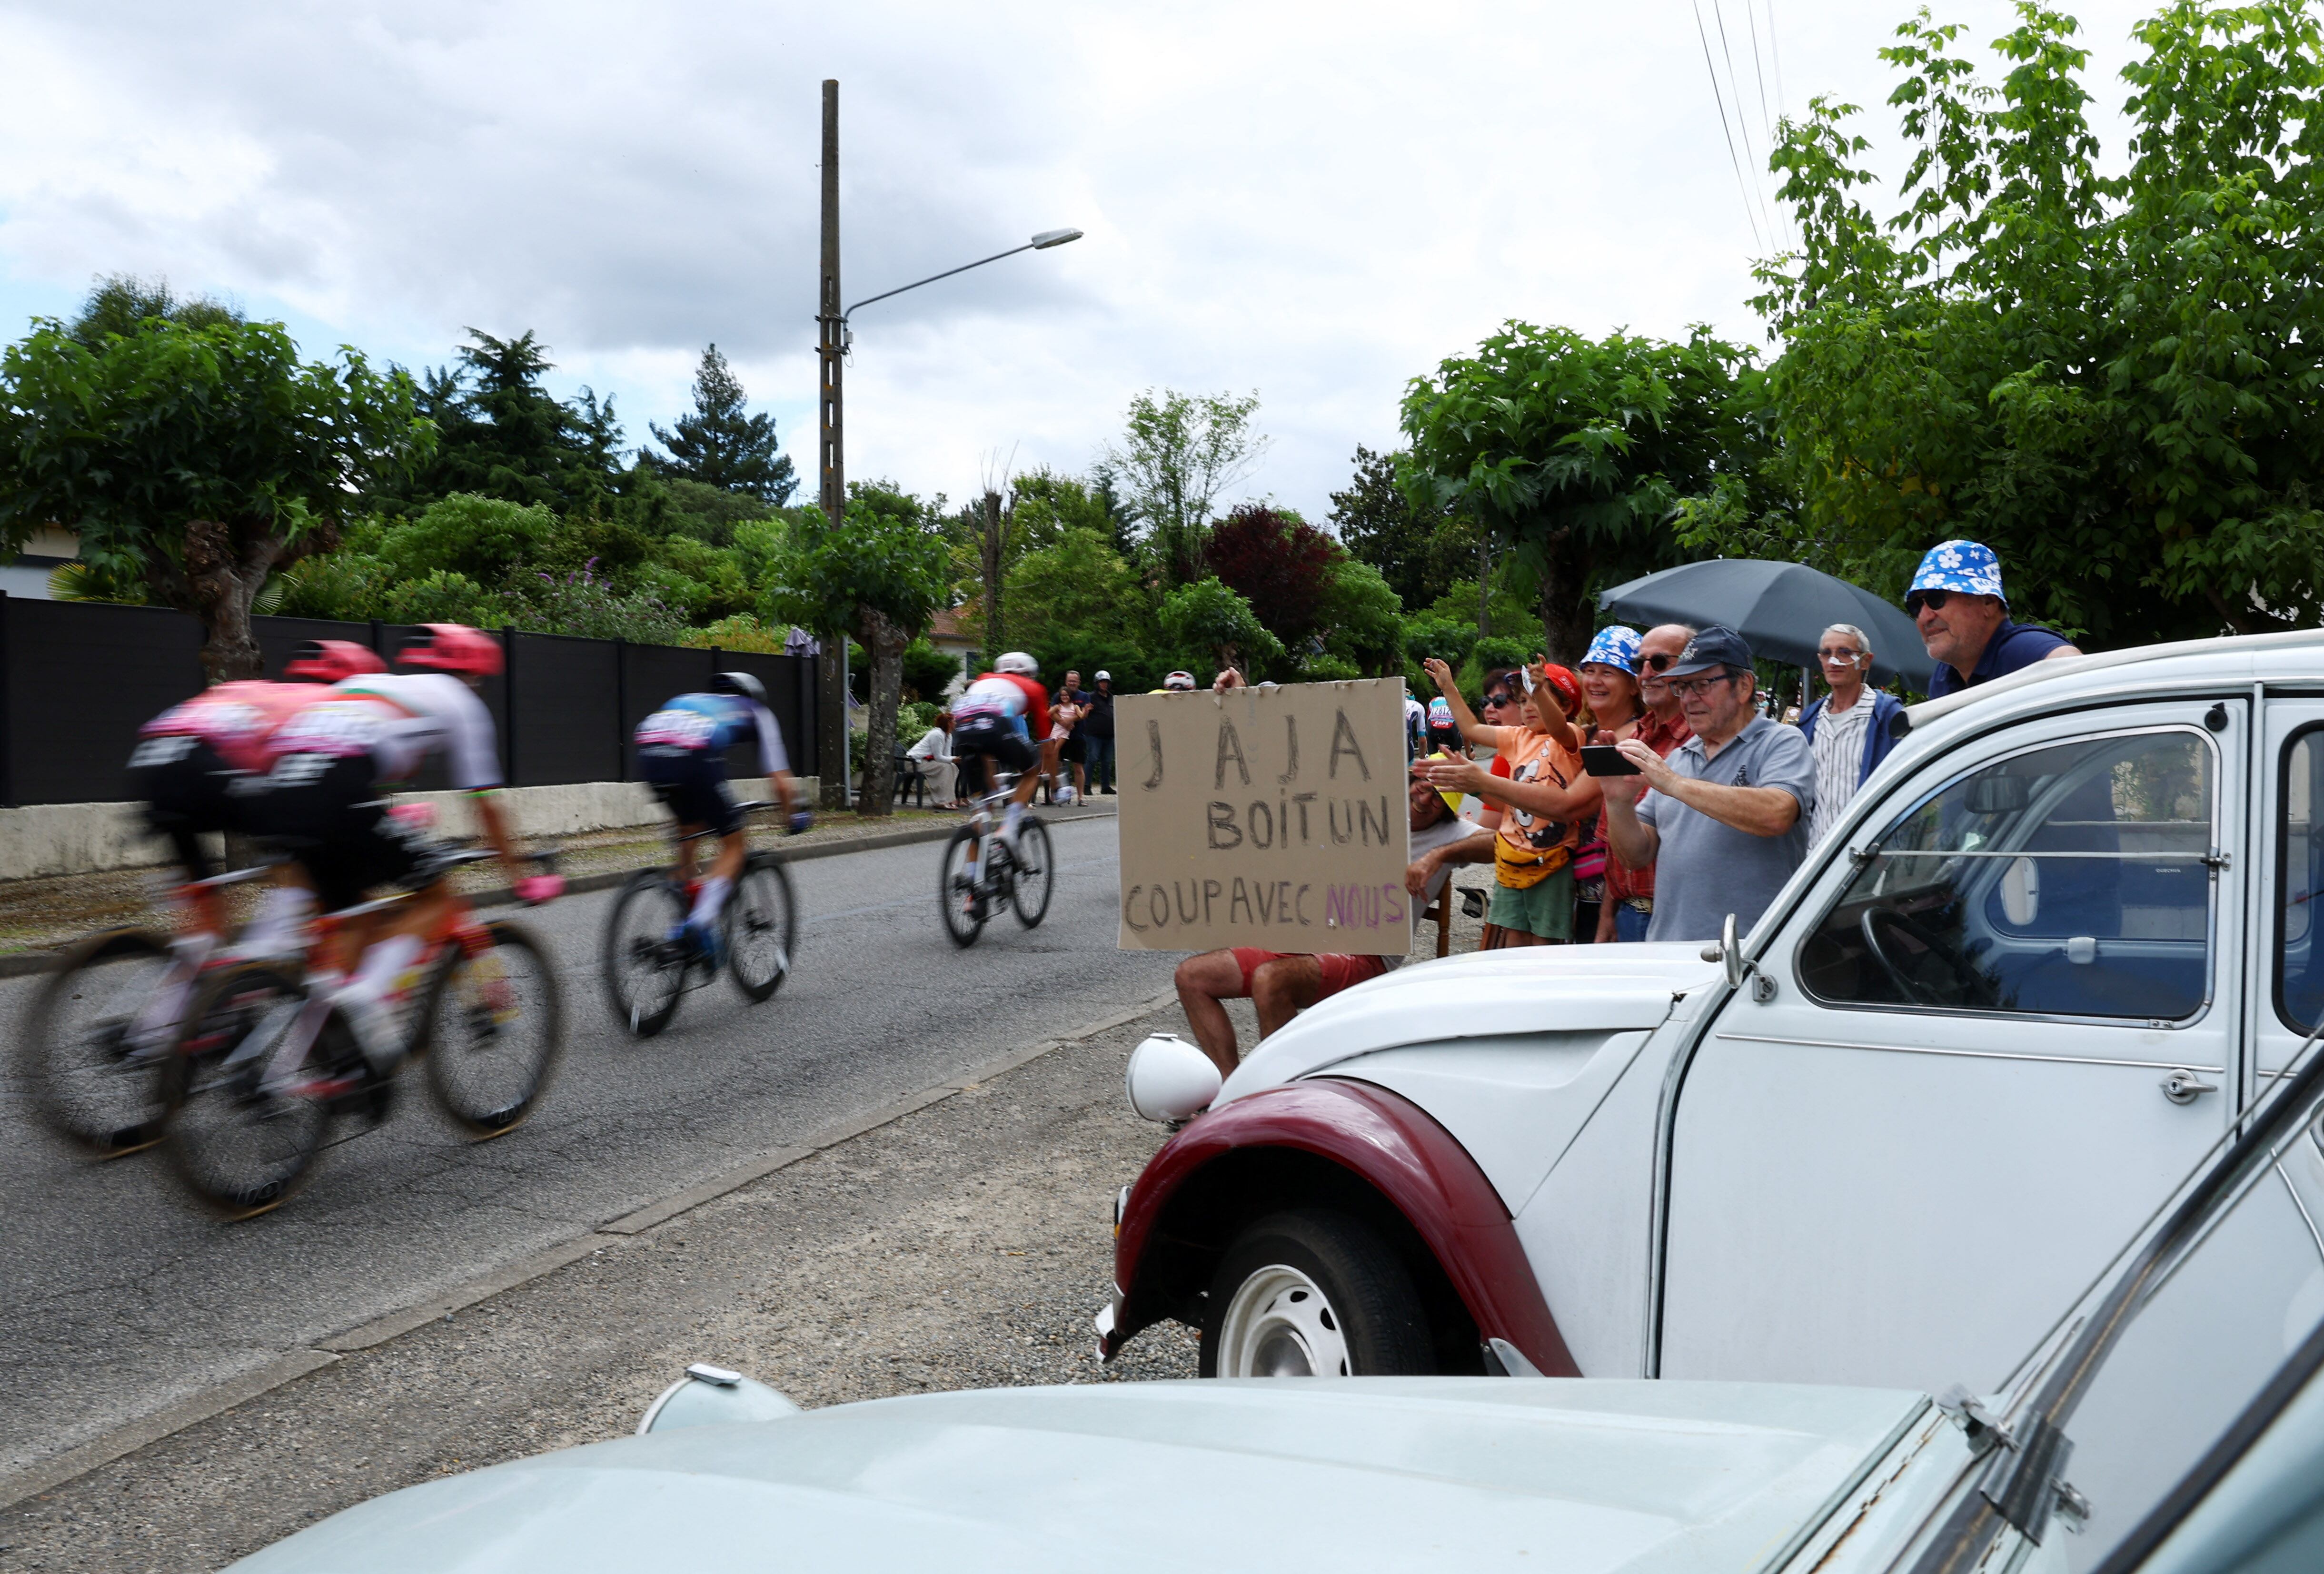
{"type": "Point", "coordinates": [1313, 1294]}
{"type": "Point", "coordinates": [762, 927]}
{"type": "Point", "coordinates": [645, 970]}
{"type": "Point", "coordinates": [1035, 875]}
{"type": "Point", "coordinates": [241, 1140]}
{"type": "Point", "coordinates": [94, 1042]}
{"type": "Point", "coordinates": [495, 1028]}
{"type": "Point", "coordinates": [957, 898]}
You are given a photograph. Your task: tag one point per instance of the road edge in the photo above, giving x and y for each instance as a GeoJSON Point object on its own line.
{"type": "Point", "coordinates": [295, 1363]}
{"type": "Point", "coordinates": [23, 962]}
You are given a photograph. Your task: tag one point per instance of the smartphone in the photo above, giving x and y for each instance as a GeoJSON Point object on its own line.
{"type": "Point", "coordinates": [1605, 759]}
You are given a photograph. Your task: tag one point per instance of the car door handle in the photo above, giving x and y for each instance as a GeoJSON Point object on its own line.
{"type": "Point", "coordinates": [2184, 1087]}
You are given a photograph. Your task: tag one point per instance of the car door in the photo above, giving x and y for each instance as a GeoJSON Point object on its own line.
{"type": "Point", "coordinates": [1981, 1050]}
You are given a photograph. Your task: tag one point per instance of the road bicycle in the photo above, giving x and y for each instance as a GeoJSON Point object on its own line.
{"type": "Point", "coordinates": [264, 1064]}
{"type": "Point", "coordinates": [650, 963]}
{"type": "Point", "coordinates": [105, 1018]}
{"type": "Point", "coordinates": [970, 889]}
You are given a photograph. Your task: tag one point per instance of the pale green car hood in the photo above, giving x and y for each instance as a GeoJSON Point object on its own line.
{"type": "Point", "coordinates": [1368, 1473]}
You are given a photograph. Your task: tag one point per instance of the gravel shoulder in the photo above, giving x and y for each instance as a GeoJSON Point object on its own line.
{"type": "Point", "coordinates": [963, 1245]}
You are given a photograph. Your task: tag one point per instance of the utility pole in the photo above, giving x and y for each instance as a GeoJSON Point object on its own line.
{"type": "Point", "coordinates": [832, 742]}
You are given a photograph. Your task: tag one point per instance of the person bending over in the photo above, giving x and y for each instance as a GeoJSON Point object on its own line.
{"type": "Point", "coordinates": [682, 755]}
{"type": "Point", "coordinates": [1282, 984]}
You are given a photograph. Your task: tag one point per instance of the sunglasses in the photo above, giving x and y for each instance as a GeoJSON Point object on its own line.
{"type": "Point", "coordinates": [1685, 686]}
{"type": "Point", "coordinates": [1499, 697]}
{"type": "Point", "coordinates": [1840, 656]}
{"type": "Point", "coordinates": [1656, 663]}
{"type": "Point", "coordinates": [1928, 598]}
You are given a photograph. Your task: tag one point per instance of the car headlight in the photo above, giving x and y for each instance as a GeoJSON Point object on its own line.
{"type": "Point", "coordinates": [1169, 1079]}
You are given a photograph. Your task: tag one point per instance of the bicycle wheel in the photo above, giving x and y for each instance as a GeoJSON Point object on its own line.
{"type": "Point", "coordinates": [957, 898]}
{"type": "Point", "coordinates": [762, 927]}
{"type": "Point", "coordinates": [1034, 874]}
{"type": "Point", "coordinates": [239, 1144]}
{"type": "Point", "coordinates": [496, 1029]}
{"type": "Point", "coordinates": [95, 1039]}
{"type": "Point", "coordinates": [645, 971]}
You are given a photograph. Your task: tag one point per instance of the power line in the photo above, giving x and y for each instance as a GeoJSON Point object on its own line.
{"type": "Point", "coordinates": [1733, 156]}
{"type": "Point", "coordinates": [1766, 120]}
{"type": "Point", "coordinates": [1742, 124]}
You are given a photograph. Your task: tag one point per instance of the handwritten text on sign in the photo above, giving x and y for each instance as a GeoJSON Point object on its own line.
{"type": "Point", "coordinates": [1267, 817]}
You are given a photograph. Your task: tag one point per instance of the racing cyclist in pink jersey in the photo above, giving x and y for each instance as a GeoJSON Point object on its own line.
{"type": "Point", "coordinates": [324, 797]}
{"type": "Point", "coordinates": [682, 755]}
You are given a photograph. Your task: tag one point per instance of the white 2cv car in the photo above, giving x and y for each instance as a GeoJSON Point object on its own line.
{"type": "Point", "coordinates": [2062, 938]}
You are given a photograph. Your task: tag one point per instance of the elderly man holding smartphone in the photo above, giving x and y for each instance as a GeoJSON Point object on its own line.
{"type": "Point", "coordinates": [1724, 818]}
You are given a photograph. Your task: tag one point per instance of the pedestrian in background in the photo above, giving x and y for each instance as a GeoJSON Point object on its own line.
{"type": "Point", "coordinates": [933, 753]}
{"type": "Point", "coordinates": [1068, 706]}
{"type": "Point", "coordinates": [1724, 818]}
{"type": "Point", "coordinates": [1097, 735]}
{"type": "Point", "coordinates": [1957, 602]}
{"type": "Point", "coordinates": [1848, 729]}
{"type": "Point", "coordinates": [1609, 685]}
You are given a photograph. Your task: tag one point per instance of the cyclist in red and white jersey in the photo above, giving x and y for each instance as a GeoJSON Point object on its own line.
{"type": "Point", "coordinates": [997, 718]}
{"type": "Point", "coordinates": [323, 798]}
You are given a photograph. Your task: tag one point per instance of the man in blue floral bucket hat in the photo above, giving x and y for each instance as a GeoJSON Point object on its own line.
{"type": "Point", "coordinates": [1957, 603]}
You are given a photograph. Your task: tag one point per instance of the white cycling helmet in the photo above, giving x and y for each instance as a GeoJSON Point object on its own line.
{"type": "Point", "coordinates": [1018, 661]}
{"type": "Point", "coordinates": [740, 682]}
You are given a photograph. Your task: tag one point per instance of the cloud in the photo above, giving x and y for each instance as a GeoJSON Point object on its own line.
{"type": "Point", "coordinates": [1316, 202]}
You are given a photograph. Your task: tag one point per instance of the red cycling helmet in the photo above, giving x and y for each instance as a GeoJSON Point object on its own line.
{"type": "Point", "coordinates": [331, 660]}
{"type": "Point", "coordinates": [452, 647]}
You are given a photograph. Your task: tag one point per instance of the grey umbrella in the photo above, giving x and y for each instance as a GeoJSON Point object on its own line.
{"type": "Point", "coordinates": [1779, 607]}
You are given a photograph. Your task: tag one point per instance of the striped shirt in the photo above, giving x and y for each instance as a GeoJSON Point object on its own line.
{"type": "Point", "coordinates": [1838, 746]}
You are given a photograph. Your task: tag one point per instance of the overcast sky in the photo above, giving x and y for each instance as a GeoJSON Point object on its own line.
{"type": "Point", "coordinates": [1313, 202]}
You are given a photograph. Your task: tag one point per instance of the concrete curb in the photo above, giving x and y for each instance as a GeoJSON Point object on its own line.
{"type": "Point", "coordinates": [33, 961]}
{"type": "Point", "coordinates": [293, 1365]}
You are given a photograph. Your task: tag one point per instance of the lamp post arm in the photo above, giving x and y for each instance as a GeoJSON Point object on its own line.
{"type": "Point", "coordinates": [932, 278]}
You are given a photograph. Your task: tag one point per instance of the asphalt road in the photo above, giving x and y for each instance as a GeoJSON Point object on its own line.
{"type": "Point", "coordinates": [118, 1295]}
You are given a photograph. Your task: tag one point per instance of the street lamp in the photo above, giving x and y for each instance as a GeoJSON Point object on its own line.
{"type": "Point", "coordinates": [1039, 243]}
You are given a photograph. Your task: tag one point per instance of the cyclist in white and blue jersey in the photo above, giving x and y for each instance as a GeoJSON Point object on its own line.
{"type": "Point", "coordinates": [682, 755]}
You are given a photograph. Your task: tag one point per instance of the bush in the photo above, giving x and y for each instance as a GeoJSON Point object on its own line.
{"type": "Point", "coordinates": [441, 596]}
{"type": "Point", "coordinates": [1328, 668]}
{"type": "Point", "coordinates": [928, 671]}
{"type": "Point", "coordinates": [740, 632]}
{"type": "Point", "coordinates": [481, 539]}
{"type": "Point", "coordinates": [582, 604]}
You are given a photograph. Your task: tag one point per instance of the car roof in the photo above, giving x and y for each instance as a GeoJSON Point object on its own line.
{"type": "Point", "coordinates": [2293, 656]}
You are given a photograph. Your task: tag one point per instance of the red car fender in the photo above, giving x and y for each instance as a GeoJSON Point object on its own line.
{"type": "Point", "coordinates": [1391, 1144]}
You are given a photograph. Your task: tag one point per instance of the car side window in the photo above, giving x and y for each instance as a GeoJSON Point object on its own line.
{"type": "Point", "coordinates": [2071, 881]}
{"type": "Point", "coordinates": [2299, 962]}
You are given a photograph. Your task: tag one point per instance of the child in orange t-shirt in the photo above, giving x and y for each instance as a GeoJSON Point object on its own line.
{"type": "Point", "coordinates": [1544, 798]}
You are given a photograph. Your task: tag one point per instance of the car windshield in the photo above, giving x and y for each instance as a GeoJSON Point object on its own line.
{"type": "Point", "coordinates": [2177, 1338]}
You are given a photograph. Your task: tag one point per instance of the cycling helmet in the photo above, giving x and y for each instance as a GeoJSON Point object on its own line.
{"type": "Point", "coordinates": [1018, 661]}
{"type": "Point", "coordinates": [330, 660]}
{"type": "Point", "coordinates": [452, 647]}
{"type": "Point", "coordinates": [1179, 680]}
{"type": "Point", "coordinates": [741, 683]}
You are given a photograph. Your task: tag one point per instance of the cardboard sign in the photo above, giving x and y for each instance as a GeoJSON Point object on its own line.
{"type": "Point", "coordinates": [1273, 817]}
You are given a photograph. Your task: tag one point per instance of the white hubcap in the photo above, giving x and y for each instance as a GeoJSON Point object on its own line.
{"type": "Point", "coordinates": [1279, 1325]}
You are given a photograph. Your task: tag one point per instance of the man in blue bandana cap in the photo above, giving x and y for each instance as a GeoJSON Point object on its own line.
{"type": "Point", "coordinates": [1956, 602]}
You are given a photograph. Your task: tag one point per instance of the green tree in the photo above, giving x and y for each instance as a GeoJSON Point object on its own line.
{"type": "Point", "coordinates": [119, 302]}
{"type": "Point", "coordinates": [721, 444]}
{"type": "Point", "coordinates": [1364, 618]}
{"type": "Point", "coordinates": [484, 538]}
{"type": "Point", "coordinates": [1418, 553]}
{"type": "Point", "coordinates": [1206, 620]}
{"type": "Point", "coordinates": [194, 461]}
{"type": "Point", "coordinates": [1178, 452]}
{"type": "Point", "coordinates": [882, 577]}
{"type": "Point", "coordinates": [502, 434]}
{"type": "Point", "coordinates": [2110, 380]}
{"type": "Point", "coordinates": [1576, 452]}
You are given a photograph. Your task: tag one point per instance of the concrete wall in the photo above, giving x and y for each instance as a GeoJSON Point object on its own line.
{"type": "Point", "coordinates": [61, 839]}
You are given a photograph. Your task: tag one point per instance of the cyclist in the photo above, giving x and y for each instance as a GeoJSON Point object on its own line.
{"type": "Point", "coordinates": [187, 760]}
{"type": "Point", "coordinates": [682, 754]}
{"type": "Point", "coordinates": [996, 720]}
{"type": "Point", "coordinates": [323, 795]}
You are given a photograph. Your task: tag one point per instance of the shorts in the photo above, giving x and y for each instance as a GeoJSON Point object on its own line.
{"type": "Point", "coordinates": [987, 738]}
{"type": "Point", "coordinates": [327, 811]}
{"type": "Point", "coordinates": [1545, 908]}
{"type": "Point", "coordinates": [1072, 751]}
{"type": "Point", "coordinates": [185, 787]}
{"type": "Point", "coordinates": [691, 784]}
{"type": "Point", "coordinates": [1339, 972]}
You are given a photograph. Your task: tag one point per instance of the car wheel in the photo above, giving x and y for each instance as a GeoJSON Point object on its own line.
{"type": "Point", "coordinates": [1313, 1294]}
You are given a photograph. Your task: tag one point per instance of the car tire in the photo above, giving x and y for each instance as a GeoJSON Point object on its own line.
{"type": "Point", "coordinates": [1314, 1293]}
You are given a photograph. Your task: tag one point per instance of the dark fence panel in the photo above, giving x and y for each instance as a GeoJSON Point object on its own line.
{"type": "Point", "coordinates": [81, 679]}
{"type": "Point", "coordinates": [78, 679]}
{"type": "Point", "coordinates": [561, 692]}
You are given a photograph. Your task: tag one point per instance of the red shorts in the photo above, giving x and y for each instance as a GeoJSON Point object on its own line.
{"type": "Point", "coordinates": [1340, 973]}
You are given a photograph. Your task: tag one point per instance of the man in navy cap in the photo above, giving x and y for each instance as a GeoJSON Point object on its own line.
{"type": "Point", "coordinates": [1956, 601]}
{"type": "Point", "coordinates": [1724, 818]}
